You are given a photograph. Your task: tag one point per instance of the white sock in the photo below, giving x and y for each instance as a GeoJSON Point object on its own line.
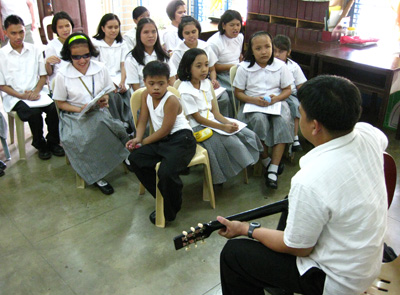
{"type": "Point", "coordinates": [127, 161]}
{"type": "Point", "coordinates": [266, 161]}
{"type": "Point", "coordinates": [272, 168]}
{"type": "Point", "coordinates": [101, 182]}
{"type": "Point", "coordinates": [296, 137]}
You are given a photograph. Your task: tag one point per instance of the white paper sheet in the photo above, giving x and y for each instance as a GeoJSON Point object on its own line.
{"type": "Point", "coordinates": [43, 101]}
{"type": "Point", "coordinates": [94, 101]}
{"type": "Point", "coordinates": [241, 126]}
{"type": "Point", "coordinates": [219, 91]}
{"type": "Point", "coordinates": [274, 109]}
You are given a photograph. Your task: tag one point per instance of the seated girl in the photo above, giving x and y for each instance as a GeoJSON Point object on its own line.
{"type": "Point", "coordinates": [62, 25]}
{"type": "Point", "coordinates": [229, 154]}
{"type": "Point", "coordinates": [189, 30]}
{"type": "Point", "coordinates": [94, 143]}
{"type": "Point", "coordinates": [264, 81]}
{"type": "Point", "coordinates": [176, 9]}
{"type": "Point", "coordinates": [148, 48]}
{"type": "Point", "coordinates": [113, 50]}
{"type": "Point", "coordinates": [137, 14]}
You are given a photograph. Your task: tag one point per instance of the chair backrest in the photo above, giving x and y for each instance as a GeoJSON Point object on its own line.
{"type": "Point", "coordinates": [390, 176]}
{"type": "Point", "coordinates": [47, 20]}
{"type": "Point", "coordinates": [232, 74]}
{"type": "Point", "coordinates": [136, 103]}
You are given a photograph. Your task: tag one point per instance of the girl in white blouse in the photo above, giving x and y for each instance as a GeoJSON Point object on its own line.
{"type": "Point", "coordinates": [263, 81]}
{"type": "Point", "coordinates": [148, 48]}
{"type": "Point", "coordinates": [62, 25]}
{"type": "Point", "coordinates": [137, 14]}
{"type": "Point", "coordinates": [113, 51]}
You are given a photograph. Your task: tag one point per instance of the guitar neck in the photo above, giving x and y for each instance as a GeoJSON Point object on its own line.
{"type": "Point", "coordinates": [203, 231]}
{"type": "Point", "coordinates": [252, 214]}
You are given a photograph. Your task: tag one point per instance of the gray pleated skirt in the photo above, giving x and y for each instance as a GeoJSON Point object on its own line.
{"type": "Point", "coordinates": [294, 104]}
{"type": "Point", "coordinates": [120, 108]}
{"type": "Point", "coordinates": [229, 155]}
{"type": "Point", "coordinates": [95, 144]}
{"type": "Point", "coordinates": [271, 129]}
{"type": "Point", "coordinates": [224, 80]}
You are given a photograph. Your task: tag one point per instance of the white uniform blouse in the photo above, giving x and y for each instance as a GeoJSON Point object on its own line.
{"type": "Point", "coordinates": [226, 49]}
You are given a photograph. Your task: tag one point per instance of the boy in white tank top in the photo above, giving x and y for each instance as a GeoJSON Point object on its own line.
{"type": "Point", "coordinates": [172, 142]}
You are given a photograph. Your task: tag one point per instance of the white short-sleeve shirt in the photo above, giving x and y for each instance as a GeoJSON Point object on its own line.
{"type": "Point", "coordinates": [170, 38]}
{"type": "Point", "coordinates": [180, 50]}
{"type": "Point", "coordinates": [258, 81]}
{"type": "Point", "coordinates": [297, 73]}
{"type": "Point", "coordinates": [130, 39]}
{"type": "Point", "coordinates": [53, 48]}
{"type": "Point", "coordinates": [18, 7]}
{"type": "Point", "coordinates": [227, 50]}
{"type": "Point", "coordinates": [339, 207]}
{"type": "Point", "coordinates": [68, 86]}
{"type": "Point", "coordinates": [134, 70]}
{"type": "Point", "coordinates": [21, 71]}
{"type": "Point", "coordinates": [196, 100]}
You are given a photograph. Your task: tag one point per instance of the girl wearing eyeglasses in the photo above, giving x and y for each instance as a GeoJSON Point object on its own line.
{"type": "Point", "coordinates": [94, 143]}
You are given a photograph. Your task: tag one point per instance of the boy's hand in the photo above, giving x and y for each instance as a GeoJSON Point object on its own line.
{"type": "Point", "coordinates": [121, 88]}
{"type": "Point", "coordinates": [133, 144]}
{"type": "Point", "coordinates": [103, 101]}
{"type": "Point", "coordinates": [232, 228]}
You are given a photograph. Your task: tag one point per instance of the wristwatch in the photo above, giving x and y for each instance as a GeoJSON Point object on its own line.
{"type": "Point", "coordinates": [252, 227]}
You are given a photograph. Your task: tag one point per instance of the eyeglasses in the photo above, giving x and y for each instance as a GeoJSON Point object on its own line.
{"type": "Point", "coordinates": [78, 57]}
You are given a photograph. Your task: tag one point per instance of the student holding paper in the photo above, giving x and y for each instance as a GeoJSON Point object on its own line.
{"type": "Point", "coordinates": [262, 83]}
{"type": "Point", "coordinates": [22, 77]}
{"type": "Point", "coordinates": [94, 143]}
{"type": "Point", "coordinates": [229, 152]}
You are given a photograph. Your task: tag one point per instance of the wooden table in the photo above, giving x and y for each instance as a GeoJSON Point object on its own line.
{"type": "Point", "coordinates": [375, 70]}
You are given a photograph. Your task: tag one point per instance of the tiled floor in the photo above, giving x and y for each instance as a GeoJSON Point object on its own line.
{"type": "Point", "coordinates": [57, 239]}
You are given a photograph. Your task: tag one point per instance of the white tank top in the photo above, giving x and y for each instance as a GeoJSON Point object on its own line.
{"type": "Point", "coordinates": [157, 115]}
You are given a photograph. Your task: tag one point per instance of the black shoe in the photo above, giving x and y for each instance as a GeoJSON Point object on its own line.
{"type": "Point", "coordinates": [152, 217]}
{"type": "Point", "coordinates": [281, 167]}
{"type": "Point", "coordinates": [56, 150]}
{"type": "Point", "coordinates": [44, 153]}
{"type": "Point", "coordinates": [297, 148]}
{"type": "Point", "coordinates": [105, 187]}
{"type": "Point", "coordinates": [271, 183]}
{"type": "Point", "coordinates": [2, 173]}
{"type": "Point", "coordinates": [3, 165]}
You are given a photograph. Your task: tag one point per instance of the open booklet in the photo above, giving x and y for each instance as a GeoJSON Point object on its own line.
{"type": "Point", "coordinates": [274, 109]}
{"type": "Point", "coordinates": [240, 124]}
{"type": "Point", "coordinates": [218, 92]}
{"type": "Point", "coordinates": [43, 101]}
{"type": "Point", "coordinates": [94, 100]}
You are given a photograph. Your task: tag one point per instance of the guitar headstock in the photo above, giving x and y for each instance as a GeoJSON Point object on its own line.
{"type": "Point", "coordinates": [197, 234]}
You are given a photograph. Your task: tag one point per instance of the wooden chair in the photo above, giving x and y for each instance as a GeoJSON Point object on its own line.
{"type": "Point", "coordinates": [201, 157]}
{"type": "Point", "coordinates": [14, 122]}
{"type": "Point", "coordinates": [388, 281]}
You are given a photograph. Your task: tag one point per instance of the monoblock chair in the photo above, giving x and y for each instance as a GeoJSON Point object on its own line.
{"type": "Point", "coordinates": [200, 157]}
{"type": "Point", "coordinates": [232, 74]}
{"type": "Point", "coordinates": [14, 122]}
{"type": "Point", "coordinates": [388, 281]}
{"type": "Point", "coordinates": [47, 20]}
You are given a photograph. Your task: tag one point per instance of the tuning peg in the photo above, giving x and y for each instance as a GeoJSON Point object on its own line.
{"type": "Point", "coordinates": [184, 233]}
{"type": "Point", "coordinates": [187, 248]}
{"type": "Point", "coordinates": [200, 225]}
{"type": "Point", "coordinates": [192, 229]}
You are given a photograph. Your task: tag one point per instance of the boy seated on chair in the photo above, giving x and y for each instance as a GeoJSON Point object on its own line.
{"type": "Point", "coordinates": [333, 240]}
{"type": "Point", "coordinates": [172, 142]}
{"type": "Point", "coordinates": [22, 77]}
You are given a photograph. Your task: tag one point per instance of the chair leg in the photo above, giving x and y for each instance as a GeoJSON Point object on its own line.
{"type": "Point", "coordinates": [80, 183]}
{"type": "Point", "coordinates": [11, 127]}
{"type": "Point", "coordinates": [258, 168]}
{"type": "Point", "coordinates": [208, 189]}
{"type": "Point", "coordinates": [21, 138]}
{"type": "Point", "coordinates": [160, 218]}
{"type": "Point", "coordinates": [245, 176]}
{"type": "Point", "coordinates": [142, 189]}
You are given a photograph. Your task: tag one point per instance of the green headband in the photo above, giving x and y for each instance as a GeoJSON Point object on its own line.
{"type": "Point", "coordinates": [76, 38]}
